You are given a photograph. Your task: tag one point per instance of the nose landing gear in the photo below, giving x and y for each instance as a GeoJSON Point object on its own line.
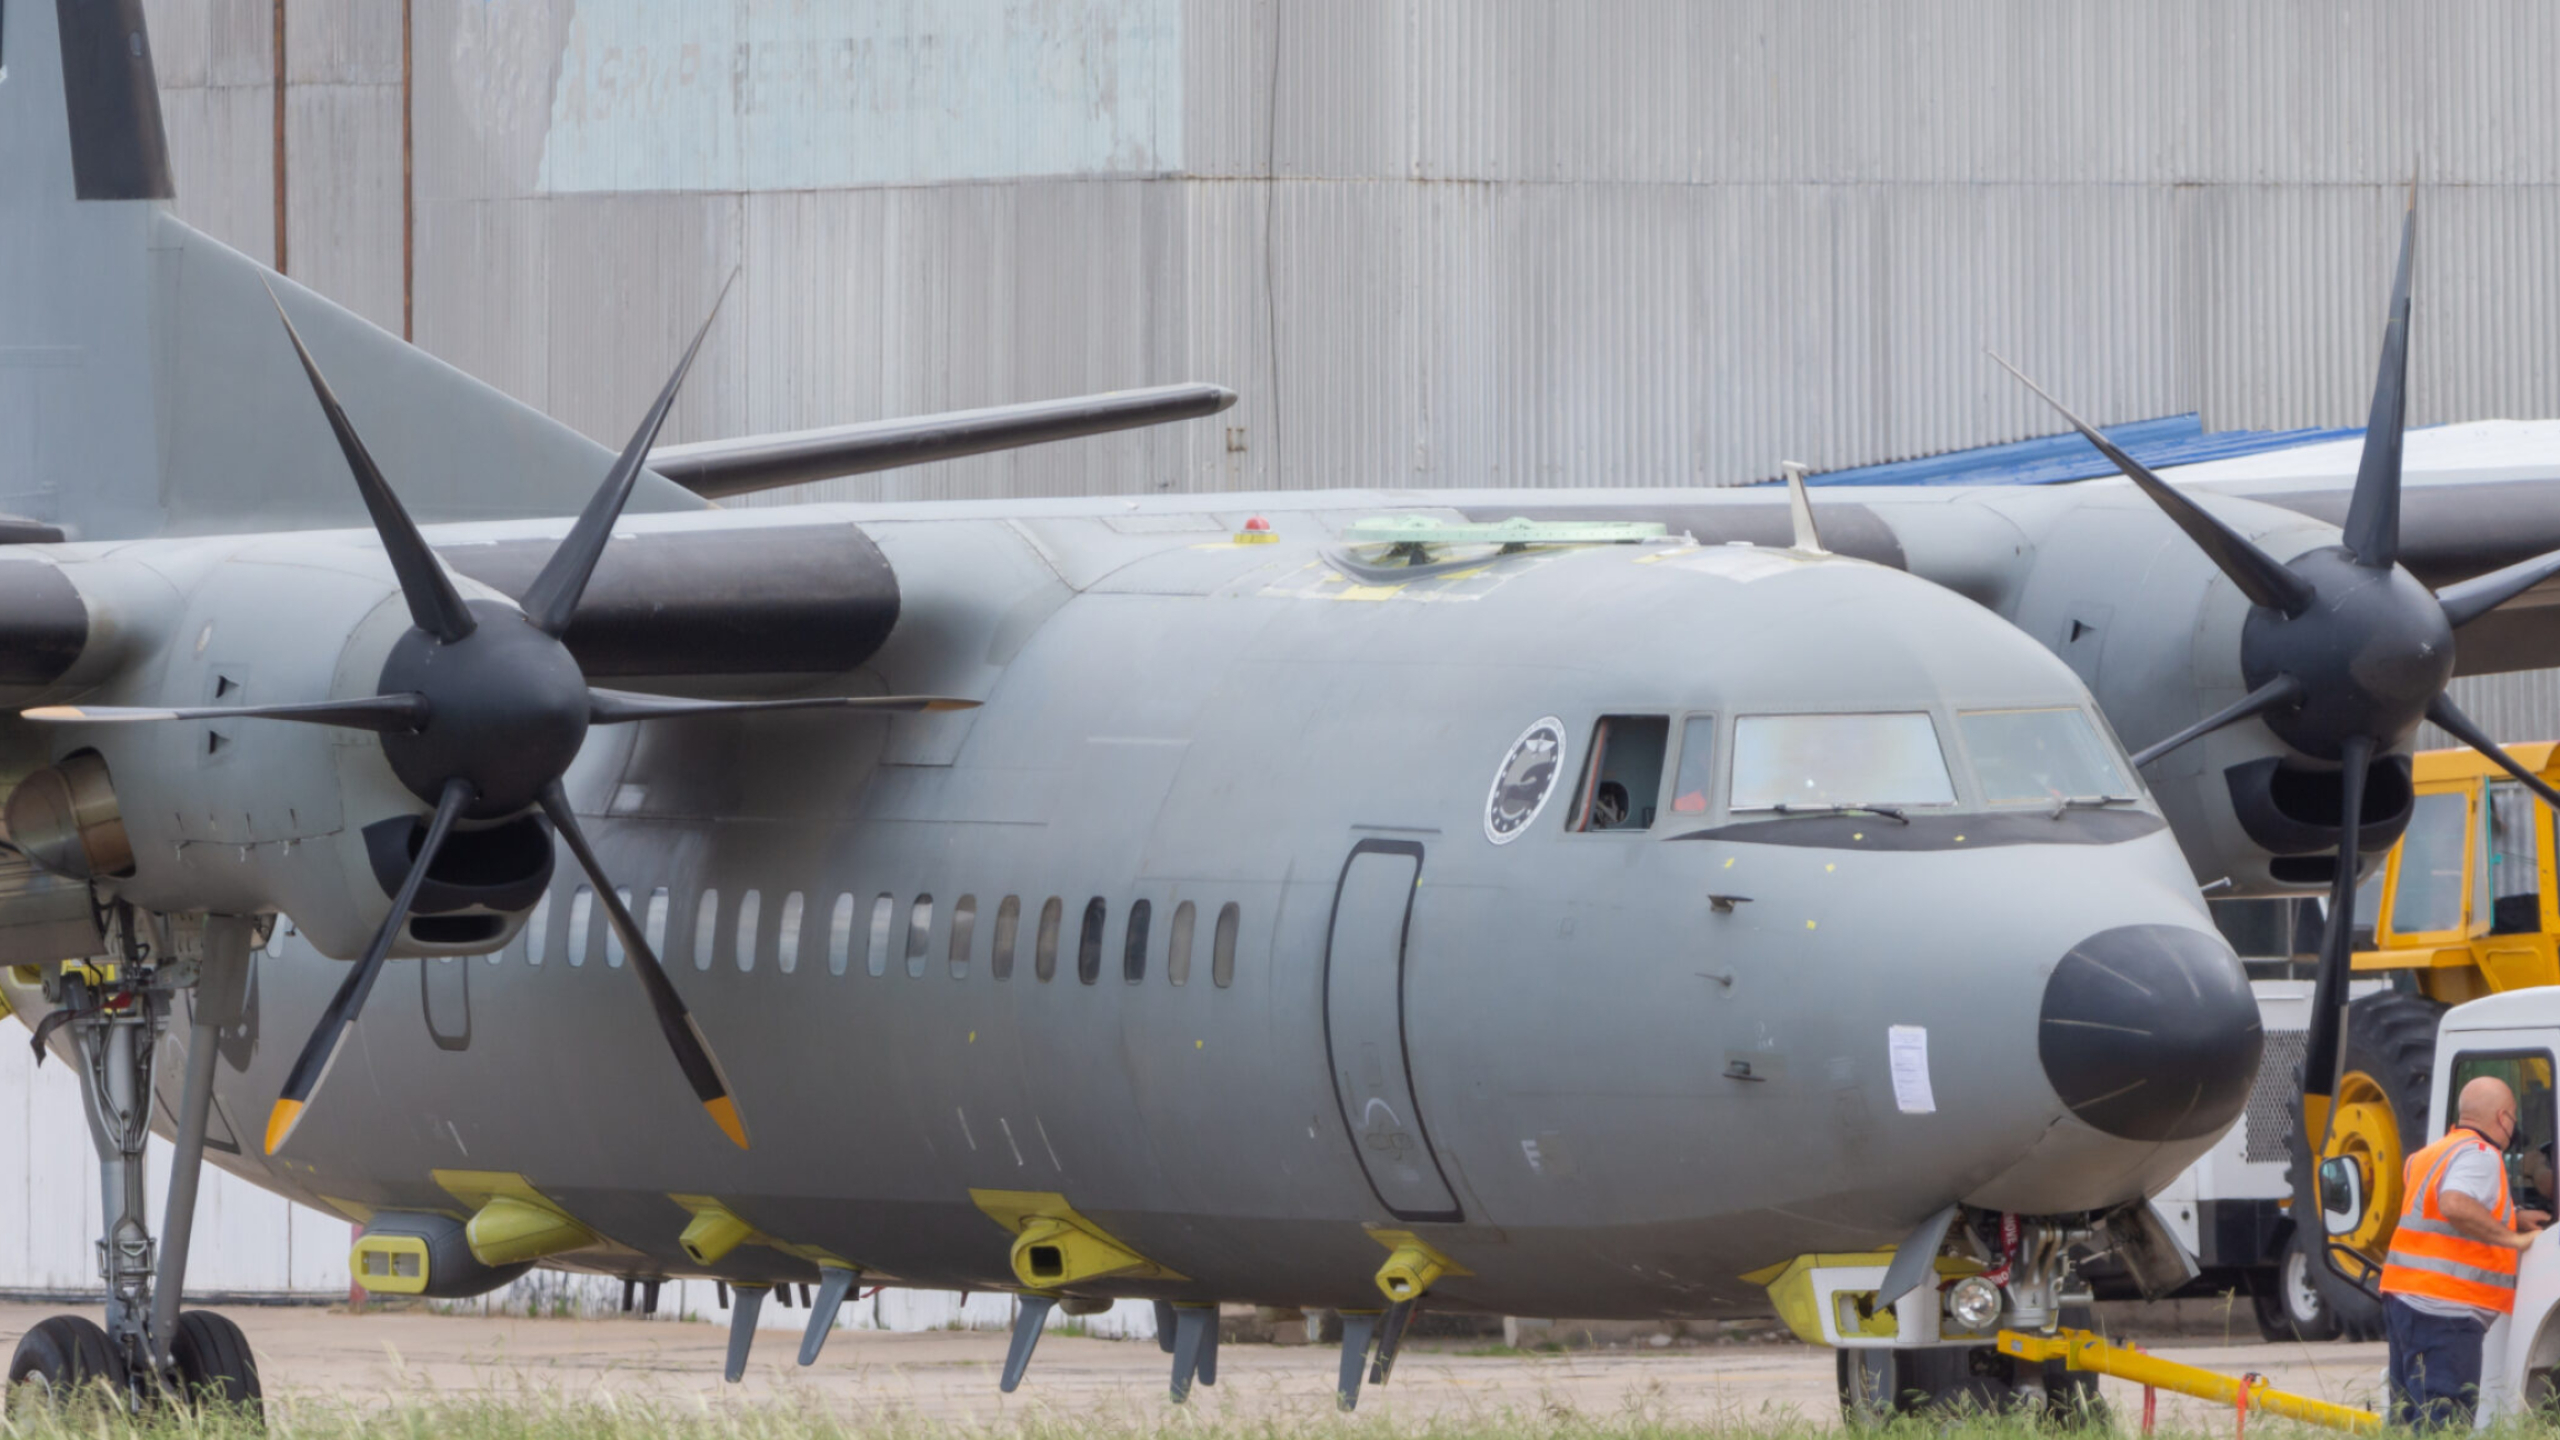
{"type": "Point", "coordinates": [148, 1349]}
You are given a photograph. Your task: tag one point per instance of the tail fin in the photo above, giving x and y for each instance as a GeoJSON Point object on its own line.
{"type": "Point", "coordinates": [145, 386]}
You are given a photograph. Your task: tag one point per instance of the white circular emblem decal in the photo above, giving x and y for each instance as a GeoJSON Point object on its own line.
{"type": "Point", "coordinates": [1527, 776]}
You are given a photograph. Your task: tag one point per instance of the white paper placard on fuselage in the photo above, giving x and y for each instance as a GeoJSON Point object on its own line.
{"type": "Point", "coordinates": [1908, 1047]}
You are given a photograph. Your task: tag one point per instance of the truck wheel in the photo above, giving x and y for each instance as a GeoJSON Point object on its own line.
{"type": "Point", "coordinates": [2382, 1097]}
{"type": "Point", "coordinates": [2288, 1300]}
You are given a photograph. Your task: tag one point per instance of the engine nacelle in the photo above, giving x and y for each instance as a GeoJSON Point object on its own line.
{"type": "Point", "coordinates": [255, 815]}
{"type": "Point", "coordinates": [2154, 630]}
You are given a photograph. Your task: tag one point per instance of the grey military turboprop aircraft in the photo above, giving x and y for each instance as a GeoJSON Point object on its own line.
{"type": "Point", "coordinates": [1664, 903]}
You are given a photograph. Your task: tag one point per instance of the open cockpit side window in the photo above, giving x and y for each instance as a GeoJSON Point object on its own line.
{"type": "Point", "coordinates": [1622, 781]}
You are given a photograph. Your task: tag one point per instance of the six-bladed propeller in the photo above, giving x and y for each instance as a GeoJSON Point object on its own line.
{"type": "Point", "coordinates": [481, 711]}
{"type": "Point", "coordinates": [2345, 652]}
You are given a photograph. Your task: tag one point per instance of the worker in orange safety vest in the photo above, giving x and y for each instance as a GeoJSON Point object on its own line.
{"type": "Point", "coordinates": [2452, 1266]}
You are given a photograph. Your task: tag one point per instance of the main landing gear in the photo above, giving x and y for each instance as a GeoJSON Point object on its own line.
{"type": "Point", "coordinates": [148, 1351]}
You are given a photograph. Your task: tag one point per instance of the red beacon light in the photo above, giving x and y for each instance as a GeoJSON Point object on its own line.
{"type": "Point", "coordinates": [1256, 531]}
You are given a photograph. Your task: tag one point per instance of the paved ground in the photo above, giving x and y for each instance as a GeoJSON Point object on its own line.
{"type": "Point", "coordinates": [951, 1374]}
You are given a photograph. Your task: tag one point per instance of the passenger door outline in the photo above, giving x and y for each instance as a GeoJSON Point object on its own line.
{"type": "Point", "coordinates": [1392, 1087]}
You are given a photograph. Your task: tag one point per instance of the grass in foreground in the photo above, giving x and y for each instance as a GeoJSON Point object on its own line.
{"type": "Point", "coordinates": [605, 1418]}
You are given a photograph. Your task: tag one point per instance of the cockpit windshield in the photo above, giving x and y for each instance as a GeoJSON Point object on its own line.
{"type": "Point", "coordinates": [2041, 757]}
{"type": "Point", "coordinates": [1792, 763]}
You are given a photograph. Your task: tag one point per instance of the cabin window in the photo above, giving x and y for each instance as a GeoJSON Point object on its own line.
{"type": "Point", "coordinates": [1133, 951]}
{"type": "Point", "coordinates": [1696, 783]}
{"type": "Point", "coordinates": [919, 935]}
{"type": "Point", "coordinates": [1044, 949]}
{"type": "Point", "coordinates": [1622, 781]}
{"type": "Point", "coordinates": [2529, 1150]}
{"type": "Point", "coordinates": [537, 932]}
{"type": "Point", "coordinates": [786, 935]}
{"type": "Point", "coordinates": [1222, 946]}
{"type": "Point", "coordinates": [884, 915]}
{"type": "Point", "coordinates": [964, 928]}
{"type": "Point", "coordinates": [2040, 757]}
{"type": "Point", "coordinates": [840, 935]}
{"type": "Point", "coordinates": [1000, 952]}
{"type": "Point", "coordinates": [1833, 762]}
{"type": "Point", "coordinates": [750, 914]}
{"type": "Point", "coordinates": [654, 927]}
{"type": "Point", "coordinates": [581, 906]}
{"type": "Point", "coordinates": [2427, 897]}
{"type": "Point", "coordinates": [1177, 944]}
{"type": "Point", "coordinates": [2514, 860]}
{"type": "Point", "coordinates": [613, 932]}
{"type": "Point", "coordinates": [706, 929]}
{"type": "Point", "coordinates": [1089, 942]}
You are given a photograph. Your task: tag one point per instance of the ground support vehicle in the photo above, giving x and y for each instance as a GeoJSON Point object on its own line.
{"type": "Point", "coordinates": [2462, 907]}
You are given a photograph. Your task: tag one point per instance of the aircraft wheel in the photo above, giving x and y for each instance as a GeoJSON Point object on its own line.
{"type": "Point", "coordinates": [1957, 1381]}
{"type": "Point", "coordinates": [61, 1360]}
{"type": "Point", "coordinates": [1941, 1381]}
{"type": "Point", "coordinates": [214, 1364]}
{"type": "Point", "coordinates": [2382, 1096]}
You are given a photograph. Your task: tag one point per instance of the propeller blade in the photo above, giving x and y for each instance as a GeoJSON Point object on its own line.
{"type": "Point", "coordinates": [553, 596]}
{"type": "Point", "coordinates": [321, 1050]}
{"type": "Point", "coordinates": [2373, 514]}
{"type": "Point", "coordinates": [2283, 689]}
{"type": "Point", "coordinates": [434, 605]}
{"type": "Point", "coordinates": [622, 707]}
{"type": "Point", "coordinates": [684, 1037]}
{"type": "Point", "coordinates": [2450, 718]}
{"type": "Point", "coordinates": [382, 714]}
{"type": "Point", "coordinates": [2259, 575]}
{"type": "Point", "coordinates": [2470, 599]}
{"type": "Point", "coordinates": [2327, 1037]}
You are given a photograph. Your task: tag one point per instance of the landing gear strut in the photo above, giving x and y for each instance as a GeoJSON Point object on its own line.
{"type": "Point", "coordinates": [114, 1016]}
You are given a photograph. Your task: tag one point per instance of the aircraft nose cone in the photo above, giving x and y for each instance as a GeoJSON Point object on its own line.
{"type": "Point", "coordinates": [2149, 1032]}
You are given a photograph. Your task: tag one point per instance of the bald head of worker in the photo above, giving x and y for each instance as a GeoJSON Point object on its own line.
{"type": "Point", "coordinates": [2489, 1107]}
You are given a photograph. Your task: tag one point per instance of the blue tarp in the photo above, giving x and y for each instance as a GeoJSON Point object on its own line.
{"type": "Point", "coordinates": [2169, 440]}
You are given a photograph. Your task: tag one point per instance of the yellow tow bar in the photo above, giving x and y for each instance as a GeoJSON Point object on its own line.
{"type": "Point", "coordinates": [2082, 1350]}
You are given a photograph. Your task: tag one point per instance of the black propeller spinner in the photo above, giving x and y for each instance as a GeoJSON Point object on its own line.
{"type": "Point", "coordinates": [481, 710]}
{"type": "Point", "coordinates": [2345, 653]}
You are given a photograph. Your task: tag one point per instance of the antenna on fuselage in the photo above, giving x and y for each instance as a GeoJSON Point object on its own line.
{"type": "Point", "coordinates": [1808, 538]}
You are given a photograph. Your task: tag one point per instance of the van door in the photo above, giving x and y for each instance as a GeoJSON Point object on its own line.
{"type": "Point", "coordinates": [1365, 1032]}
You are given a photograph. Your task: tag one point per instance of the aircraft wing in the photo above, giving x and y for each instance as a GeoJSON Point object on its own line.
{"type": "Point", "coordinates": [717, 468]}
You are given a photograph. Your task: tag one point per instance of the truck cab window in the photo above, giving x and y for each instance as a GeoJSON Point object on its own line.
{"type": "Point", "coordinates": [2529, 1154]}
{"type": "Point", "coordinates": [2513, 858]}
{"type": "Point", "coordinates": [2426, 895]}
{"type": "Point", "coordinates": [1622, 781]}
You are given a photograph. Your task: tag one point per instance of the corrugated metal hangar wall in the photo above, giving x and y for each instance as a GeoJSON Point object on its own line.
{"type": "Point", "coordinates": [1473, 242]}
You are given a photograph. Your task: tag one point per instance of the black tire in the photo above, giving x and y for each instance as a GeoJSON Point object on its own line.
{"type": "Point", "coordinates": [2391, 1036]}
{"type": "Point", "coordinates": [215, 1366]}
{"type": "Point", "coordinates": [2071, 1396]}
{"type": "Point", "coordinates": [1957, 1382]}
{"type": "Point", "coordinates": [2288, 1299]}
{"type": "Point", "coordinates": [62, 1362]}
